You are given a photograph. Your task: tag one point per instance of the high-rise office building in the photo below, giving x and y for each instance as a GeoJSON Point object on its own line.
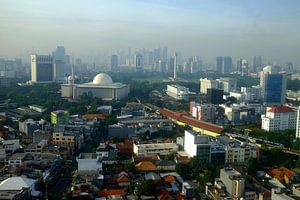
{"type": "Point", "coordinates": [139, 63]}
{"type": "Point", "coordinates": [165, 54]}
{"type": "Point", "coordinates": [257, 63]}
{"type": "Point", "coordinates": [219, 64]}
{"type": "Point", "coordinates": [242, 67]}
{"type": "Point", "coordinates": [59, 54]}
{"type": "Point", "coordinates": [114, 63]}
{"type": "Point", "coordinates": [289, 67]}
{"type": "Point", "coordinates": [273, 85]}
{"type": "Point", "coordinates": [61, 63]}
{"type": "Point", "coordinates": [41, 68]}
{"type": "Point", "coordinates": [58, 70]}
{"type": "Point", "coordinates": [227, 66]}
{"type": "Point", "coordinates": [214, 96]}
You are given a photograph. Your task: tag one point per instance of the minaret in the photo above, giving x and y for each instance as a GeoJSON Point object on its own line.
{"type": "Point", "coordinates": [73, 78]}
{"type": "Point", "coordinates": [175, 67]}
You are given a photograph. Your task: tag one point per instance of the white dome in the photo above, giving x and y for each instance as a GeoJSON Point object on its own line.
{"type": "Point", "coordinates": [70, 78]}
{"type": "Point", "coordinates": [101, 79]}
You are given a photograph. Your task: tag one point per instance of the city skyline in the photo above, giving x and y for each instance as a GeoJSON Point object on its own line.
{"type": "Point", "coordinates": [208, 29]}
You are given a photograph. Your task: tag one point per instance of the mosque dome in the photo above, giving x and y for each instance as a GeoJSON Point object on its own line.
{"type": "Point", "coordinates": [102, 79]}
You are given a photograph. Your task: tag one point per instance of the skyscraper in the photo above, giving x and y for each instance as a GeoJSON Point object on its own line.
{"type": "Point", "coordinates": [114, 63]}
{"type": "Point", "coordinates": [60, 61]}
{"type": "Point", "coordinates": [165, 54]}
{"type": "Point", "coordinates": [242, 67]}
{"type": "Point", "coordinates": [257, 63]}
{"type": "Point", "coordinates": [139, 63]}
{"type": "Point", "coordinates": [227, 66]}
{"type": "Point", "coordinates": [41, 68]}
{"type": "Point", "coordinates": [219, 64]}
{"type": "Point", "coordinates": [273, 85]}
{"type": "Point", "coordinates": [175, 66]}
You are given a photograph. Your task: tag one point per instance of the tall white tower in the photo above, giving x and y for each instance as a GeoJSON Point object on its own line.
{"type": "Point", "coordinates": [175, 66]}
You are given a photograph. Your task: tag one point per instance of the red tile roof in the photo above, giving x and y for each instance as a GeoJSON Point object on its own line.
{"type": "Point", "coordinates": [190, 121]}
{"type": "Point", "coordinates": [123, 178]}
{"type": "Point", "coordinates": [145, 166]}
{"type": "Point", "coordinates": [287, 172]}
{"type": "Point", "coordinates": [281, 109]}
{"type": "Point", "coordinates": [115, 192]}
{"type": "Point", "coordinates": [93, 116]}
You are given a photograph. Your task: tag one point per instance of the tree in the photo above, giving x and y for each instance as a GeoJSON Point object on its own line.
{"type": "Point", "coordinates": [111, 119]}
{"type": "Point", "coordinates": [298, 163]}
{"type": "Point", "coordinates": [147, 187]}
{"type": "Point", "coordinates": [253, 165]}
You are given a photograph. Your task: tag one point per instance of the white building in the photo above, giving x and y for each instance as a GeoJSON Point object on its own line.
{"type": "Point", "coordinates": [237, 152]}
{"type": "Point", "coordinates": [279, 118]}
{"type": "Point", "coordinates": [204, 112]}
{"type": "Point", "coordinates": [41, 68]}
{"type": "Point", "coordinates": [227, 84]}
{"type": "Point", "coordinates": [233, 181]}
{"type": "Point", "coordinates": [207, 84]}
{"type": "Point", "coordinates": [178, 92]}
{"type": "Point", "coordinates": [154, 149]}
{"type": "Point", "coordinates": [102, 87]}
{"type": "Point", "coordinates": [197, 145]}
{"type": "Point", "coordinates": [251, 93]}
{"type": "Point", "coordinates": [298, 124]}
{"type": "Point", "coordinates": [89, 164]}
{"type": "Point", "coordinates": [240, 96]}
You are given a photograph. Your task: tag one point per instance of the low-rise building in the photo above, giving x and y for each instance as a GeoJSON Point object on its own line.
{"type": "Point", "coordinates": [71, 140]}
{"type": "Point", "coordinates": [154, 149]}
{"type": "Point", "coordinates": [203, 112]}
{"type": "Point", "coordinates": [60, 117]}
{"type": "Point", "coordinates": [89, 164]}
{"type": "Point", "coordinates": [28, 126]}
{"type": "Point", "coordinates": [178, 92]}
{"type": "Point", "coordinates": [237, 152]}
{"type": "Point", "coordinates": [18, 188]}
{"type": "Point", "coordinates": [233, 181]}
{"type": "Point", "coordinates": [239, 114]}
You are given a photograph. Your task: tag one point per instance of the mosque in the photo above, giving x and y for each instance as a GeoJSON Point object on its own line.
{"type": "Point", "coordinates": [102, 87]}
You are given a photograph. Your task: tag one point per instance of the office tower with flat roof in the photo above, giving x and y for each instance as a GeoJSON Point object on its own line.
{"type": "Point", "coordinates": [114, 63]}
{"type": "Point", "coordinates": [242, 67]}
{"type": "Point", "coordinates": [41, 68]}
{"type": "Point", "coordinates": [257, 63]}
{"type": "Point", "coordinates": [165, 54]}
{"type": "Point", "coordinates": [227, 65]}
{"type": "Point", "coordinates": [273, 85]}
{"type": "Point", "coordinates": [139, 63]}
{"type": "Point", "coordinates": [214, 96]}
{"type": "Point", "coordinates": [219, 64]}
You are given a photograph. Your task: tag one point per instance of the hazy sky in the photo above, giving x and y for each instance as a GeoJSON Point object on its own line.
{"type": "Point", "coordinates": [202, 27]}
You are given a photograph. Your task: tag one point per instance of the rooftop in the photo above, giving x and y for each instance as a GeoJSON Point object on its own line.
{"type": "Point", "coordinates": [16, 183]}
{"type": "Point", "coordinates": [281, 109]}
{"type": "Point", "coordinates": [190, 121]}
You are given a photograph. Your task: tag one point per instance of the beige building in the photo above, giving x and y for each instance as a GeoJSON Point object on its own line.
{"type": "Point", "coordinates": [154, 149]}
{"type": "Point", "coordinates": [41, 68]}
{"type": "Point", "coordinates": [65, 139]}
{"type": "Point", "coordinates": [207, 84]}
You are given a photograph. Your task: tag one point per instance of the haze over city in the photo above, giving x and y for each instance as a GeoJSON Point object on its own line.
{"type": "Point", "coordinates": [204, 28]}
